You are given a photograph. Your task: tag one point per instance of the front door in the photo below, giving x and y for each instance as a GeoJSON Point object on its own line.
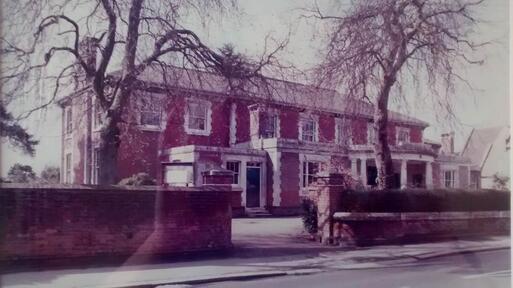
{"type": "Point", "coordinates": [253, 185]}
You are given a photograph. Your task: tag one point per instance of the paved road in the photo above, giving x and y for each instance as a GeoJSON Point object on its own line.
{"type": "Point", "coordinates": [480, 270]}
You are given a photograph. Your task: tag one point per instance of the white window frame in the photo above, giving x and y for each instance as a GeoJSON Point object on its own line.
{"type": "Point", "coordinates": [305, 175]}
{"type": "Point", "coordinates": [451, 183]}
{"type": "Point", "coordinates": [402, 130]}
{"type": "Point", "coordinates": [371, 133]}
{"type": "Point", "coordinates": [68, 168]}
{"type": "Point", "coordinates": [208, 119]}
{"type": "Point", "coordinates": [160, 106]}
{"type": "Point", "coordinates": [343, 132]}
{"type": "Point", "coordinates": [230, 165]}
{"type": "Point", "coordinates": [96, 119]}
{"type": "Point", "coordinates": [68, 121]}
{"type": "Point", "coordinates": [95, 167]}
{"type": "Point", "coordinates": [275, 123]}
{"type": "Point", "coordinates": [315, 121]}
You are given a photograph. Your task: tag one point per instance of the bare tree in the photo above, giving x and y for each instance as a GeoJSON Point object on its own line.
{"type": "Point", "coordinates": [132, 33]}
{"type": "Point", "coordinates": [375, 47]}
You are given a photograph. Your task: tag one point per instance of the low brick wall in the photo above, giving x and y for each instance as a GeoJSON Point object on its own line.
{"type": "Point", "coordinates": [335, 226]}
{"type": "Point", "coordinates": [372, 228]}
{"type": "Point", "coordinates": [87, 221]}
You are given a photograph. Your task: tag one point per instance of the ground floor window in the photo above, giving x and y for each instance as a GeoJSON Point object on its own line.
{"type": "Point", "coordinates": [234, 166]}
{"type": "Point", "coordinates": [310, 169]}
{"type": "Point", "coordinates": [95, 166]}
{"type": "Point", "coordinates": [449, 178]}
{"type": "Point", "coordinates": [67, 172]}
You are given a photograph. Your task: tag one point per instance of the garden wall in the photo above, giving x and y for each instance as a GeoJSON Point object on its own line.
{"type": "Point", "coordinates": [87, 221]}
{"type": "Point", "coordinates": [366, 217]}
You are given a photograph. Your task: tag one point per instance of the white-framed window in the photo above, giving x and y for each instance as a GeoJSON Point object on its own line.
{"type": "Point", "coordinates": [309, 170]}
{"type": "Point", "coordinates": [68, 120]}
{"type": "Point", "coordinates": [97, 119]}
{"type": "Point", "coordinates": [371, 133]}
{"type": "Point", "coordinates": [343, 131]}
{"type": "Point", "coordinates": [197, 117]}
{"type": "Point", "coordinates": [403, 135]}
{"type": "Point", "coordinates": [271, 126]}
{"type": "Point", "coordinates": [308, 129]}
{"type": "Point", "coordinates": [95, 166]}
{"type": "Point", "coordinates": [449, 178]}
{"type": "Point", "coordinates": [234, 166]}
{"type": "Point", "coordinates": [67, 168]}
{"type": "Point", "coordinates": [150, 111]}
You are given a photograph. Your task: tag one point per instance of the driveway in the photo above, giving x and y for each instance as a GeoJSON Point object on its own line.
{"type": "Point", "coordinates": [272, 237]}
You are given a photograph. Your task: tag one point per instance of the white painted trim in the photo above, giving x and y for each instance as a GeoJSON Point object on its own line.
{"type": "Point", "coordinates": [303, 191]}
{"type": "Point", "coordinates": [398, 129]}
{"type": "Point", "coordinates": [233, 124]}
{"type": "Point", "coordinates": [308, 116]}
{"type": "Point", "coordinates": [275, 158]}
{"type": "Point", "coordinates": [244, 159]}
{"type": "Point", "coordinates": [208, 126]}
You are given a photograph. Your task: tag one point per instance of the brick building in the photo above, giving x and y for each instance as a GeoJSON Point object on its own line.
{"type": "Point", "coordinates": [274, 138]}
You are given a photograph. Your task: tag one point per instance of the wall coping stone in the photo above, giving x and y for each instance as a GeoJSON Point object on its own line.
{"type": "Point", "coordinates": [363, 216]}
{"type": "Point", "coordinates": [116, 188]}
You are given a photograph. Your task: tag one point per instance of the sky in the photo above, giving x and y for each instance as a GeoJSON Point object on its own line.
{"type": "Point", "coordinates": [487, 104]}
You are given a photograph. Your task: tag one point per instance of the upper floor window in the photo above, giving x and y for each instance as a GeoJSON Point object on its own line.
{"type": "Point", "coordinates": [449, 178]}
{"type": "Point", "coordinates": [69, 120]}
{"type": "Point", "coordinates": [150, 111]}
{"type": "Point", "coordinates": [308, 129]}
{"type": "Point", "coordinates": [371, 133]}
{"type": "Point", "coordinates": [343, 131]}
{"type": "Point", "coordinates": [97, 118]}
{"type": "Point", "coordinates": [403, 135]}
{"type": "Point", "coordinates": [234, 166]}
{"type": "Point", "coordinates": [197, 116]}
{"type": "Point", "coordinates": [270, 126]}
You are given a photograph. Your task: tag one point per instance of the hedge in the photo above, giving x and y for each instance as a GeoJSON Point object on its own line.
{"type": "Point", "coordinates": [423, 200]}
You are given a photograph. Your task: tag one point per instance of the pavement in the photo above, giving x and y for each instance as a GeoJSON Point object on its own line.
{"type": "Point", "coordinates": [263, 248]}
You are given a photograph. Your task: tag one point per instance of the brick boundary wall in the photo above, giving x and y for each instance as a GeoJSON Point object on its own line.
{"type": "Point", "coordinates": [336, 227]}
{"type": "Point", "coordinates": [67, 221]}
{"type": "Point", "coordinates": [372, 228]}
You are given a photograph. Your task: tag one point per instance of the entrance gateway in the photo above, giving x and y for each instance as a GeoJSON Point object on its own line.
{"type": "Point", "coordinates": [253, 184]}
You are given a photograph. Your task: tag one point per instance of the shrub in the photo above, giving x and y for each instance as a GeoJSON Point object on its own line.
{"type": "Point", "coordinates": [139, 179]}
{"type": "Point", "coordinates": [422, 200]}
{"type": "Point", "coordinates": [309, 216]}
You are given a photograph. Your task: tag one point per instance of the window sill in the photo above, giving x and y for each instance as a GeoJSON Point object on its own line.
{"type": "Point", "coordinates": [197, 132]}
{"type": "Point", "coordinates": [150, 128]}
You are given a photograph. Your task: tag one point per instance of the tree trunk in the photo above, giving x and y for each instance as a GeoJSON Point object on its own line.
{"type": "Point", "coordinates": [108, 152]}
{"type": "Point", "coordinates": [381, 149]}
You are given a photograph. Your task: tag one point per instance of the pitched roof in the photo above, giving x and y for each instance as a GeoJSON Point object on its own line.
{"type": "Point", "coordinates": [269, 89]}
{"type": "Point", "coordinates": [479, 143]}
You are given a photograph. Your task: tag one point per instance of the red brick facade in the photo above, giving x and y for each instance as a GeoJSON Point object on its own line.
{"type": "Point", "coordinates": [234, 130]}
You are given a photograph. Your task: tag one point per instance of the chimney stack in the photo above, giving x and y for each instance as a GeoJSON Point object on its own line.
{"type": "Point", "coordinates": [447, 143]}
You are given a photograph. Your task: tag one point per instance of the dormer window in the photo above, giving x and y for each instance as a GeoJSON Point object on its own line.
{"type": "Point", "coordinates": [308, 129]}
{"type": "Point", "coordinates": [197, 117]}
{"type": "Point", "coordinates": [403, 135]}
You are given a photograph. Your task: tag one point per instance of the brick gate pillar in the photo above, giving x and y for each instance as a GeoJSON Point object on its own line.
{"type": "Point", "coordinates": [225, 177]}
{"type": "Point", "coordinates": [327, 192]}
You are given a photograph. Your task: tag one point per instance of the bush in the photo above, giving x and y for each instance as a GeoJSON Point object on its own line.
{"type": "Point", "coordinates": [139, 179]}
{"type": "Point", "coordinates": [422, 200]}
{"type": "Point", "coordinates": [309, 216]}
